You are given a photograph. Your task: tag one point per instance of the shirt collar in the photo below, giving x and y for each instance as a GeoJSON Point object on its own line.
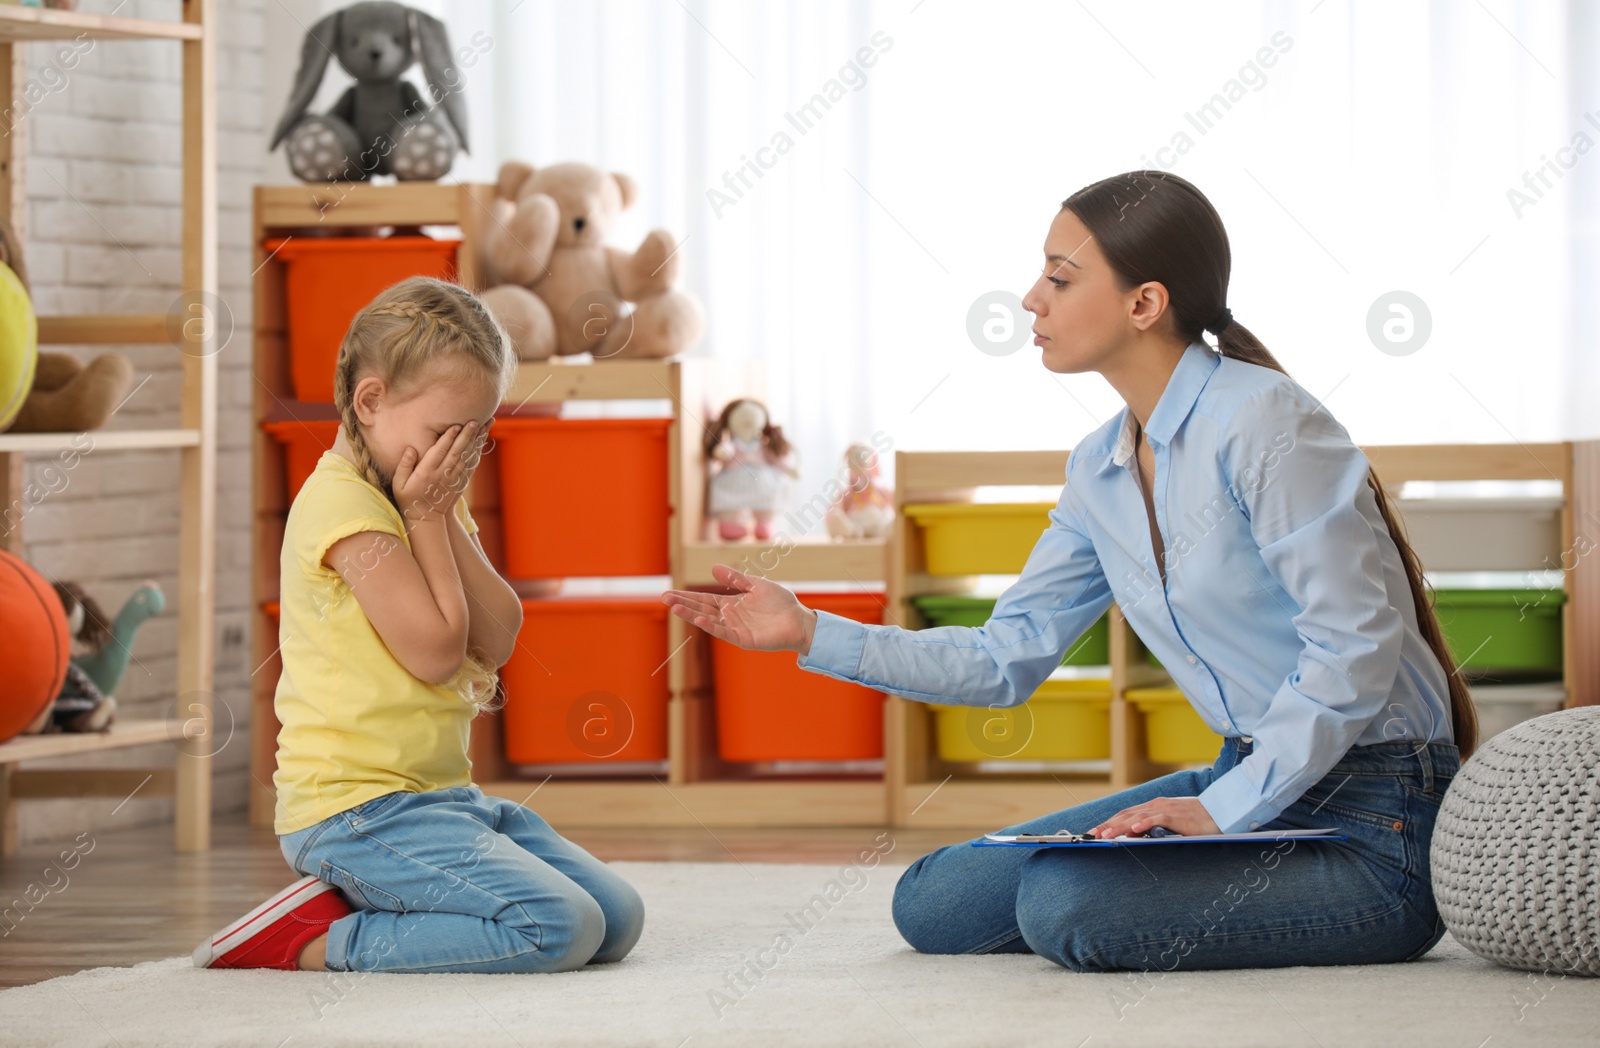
{"type": "Point", "coordinates": [1177, 400]}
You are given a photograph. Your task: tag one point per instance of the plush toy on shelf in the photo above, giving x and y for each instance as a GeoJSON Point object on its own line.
{"type": "Point", "coordinates": [85, 701]}
{"type": "Point", "coordinates": [381, 125]}
{"type": "Point", "coordinates": [864, 510]}
{"type": "Point", "coordinates": [751, 462]}
{"type": "Point", "coordinates": [560, 290]}
{"type": "Point", "coordinates": [47, 392]}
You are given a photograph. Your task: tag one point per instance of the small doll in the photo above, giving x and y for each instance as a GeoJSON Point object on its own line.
{"type": "Point", "coordinates": [755, 461]}
{"type": "Point", "coordinates": [864, 509]}
{"type": "Point", "coordinates": [81, 705]}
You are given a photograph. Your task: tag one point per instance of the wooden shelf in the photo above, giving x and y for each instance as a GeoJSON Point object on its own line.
{"type": "Point", "coordinates": [188, 782]}
{"type": "Point", "coordinates": [100, 440]}
{"type": "Point", "coordinates": [809, 558]}
{"type": "Point", "coordinates": [320, 206]}
{"type": "Point", "coordinates": [123, 733]}
{"type": "Point", "coordinates": [86, 329]}
{"type": "Point", "coordinates": [552, 382]}
{"type": "Point", "coordinates": [37, 23]}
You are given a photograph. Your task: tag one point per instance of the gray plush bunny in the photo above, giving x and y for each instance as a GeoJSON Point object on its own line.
{"type": "Point", "coordinates": [381, 125]}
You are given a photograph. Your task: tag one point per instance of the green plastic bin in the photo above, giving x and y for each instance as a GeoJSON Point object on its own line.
{"type": "Point", "coordinates": [1091, 649]}
{"type": "Point", "coordinates": [1502, 629]}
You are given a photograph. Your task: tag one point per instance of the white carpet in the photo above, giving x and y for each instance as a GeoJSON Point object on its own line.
{"type": "Point", "coordinates": [850, 979]}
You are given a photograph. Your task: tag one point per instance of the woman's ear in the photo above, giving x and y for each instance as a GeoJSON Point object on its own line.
{"type": "Point", "coordinates": [1148, 305]}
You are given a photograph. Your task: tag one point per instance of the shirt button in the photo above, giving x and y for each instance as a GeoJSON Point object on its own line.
{"type": "Point", "coordinates": [1255, 825]}
{"type": "Point", "coordinates": [1193, 660]}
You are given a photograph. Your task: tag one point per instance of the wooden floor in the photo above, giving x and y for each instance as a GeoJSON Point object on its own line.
{"type": "Point", "coordinates": [131, 898]}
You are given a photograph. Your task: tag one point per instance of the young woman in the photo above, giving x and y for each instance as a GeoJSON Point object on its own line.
{"type": "Point", "coordinates": [1251, 548]}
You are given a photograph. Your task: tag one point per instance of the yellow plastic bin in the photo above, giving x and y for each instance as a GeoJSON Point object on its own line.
{"type": "Point", "coordinates": [1065, 720]}
{"type": "Point", "coordinates": [979, 538]}
{"type": "Point", "coordinates": [1173, 731]}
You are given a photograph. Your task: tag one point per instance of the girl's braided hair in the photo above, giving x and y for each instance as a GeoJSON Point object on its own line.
{"type": "Point", "coordinates": [396, 338]}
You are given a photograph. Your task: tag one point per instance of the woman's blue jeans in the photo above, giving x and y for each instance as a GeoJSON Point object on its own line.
{"type": "Point", "coordinates": [453, 881]}
{"type": "Point", "coordinates": [1188, 906]}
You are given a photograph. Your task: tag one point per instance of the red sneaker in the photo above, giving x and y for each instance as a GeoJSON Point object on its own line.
{"type": "Point", "coordinates": [273, 934]}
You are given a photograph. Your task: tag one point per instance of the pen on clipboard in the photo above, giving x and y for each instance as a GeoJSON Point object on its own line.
{"type": "Point", "coordinates": [1154, 831]}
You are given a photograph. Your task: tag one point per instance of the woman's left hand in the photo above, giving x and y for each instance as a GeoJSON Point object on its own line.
{"type": "Point", "coordinates": [1185, 815]}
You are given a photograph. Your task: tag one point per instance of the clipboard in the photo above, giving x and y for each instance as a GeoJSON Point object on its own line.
{"type": "Point", "coordinates": [1063, 839]}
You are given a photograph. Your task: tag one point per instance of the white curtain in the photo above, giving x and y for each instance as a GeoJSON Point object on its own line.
{"type": "Point", "coordinates": [1430, 148]}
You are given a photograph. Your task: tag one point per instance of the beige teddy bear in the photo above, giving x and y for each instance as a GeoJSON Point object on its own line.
{"type": "Point", "coordinates": [551, 279]}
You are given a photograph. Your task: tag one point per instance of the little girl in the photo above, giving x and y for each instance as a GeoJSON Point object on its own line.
{"type": "Point", "coordinates": [378, 692]}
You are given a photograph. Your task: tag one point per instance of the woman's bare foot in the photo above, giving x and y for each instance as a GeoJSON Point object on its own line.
{"type": "Point", "coordinates": [314, 956]}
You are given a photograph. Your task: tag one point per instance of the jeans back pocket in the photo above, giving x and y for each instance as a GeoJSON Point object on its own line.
{"type": "Point", "coordinates": [357, 891]}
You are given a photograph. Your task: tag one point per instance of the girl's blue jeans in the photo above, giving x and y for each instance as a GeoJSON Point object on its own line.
{"type": "Point", "coordinates": [453, 881]}
{"type": "Point", "coordinates": [1187, 906]}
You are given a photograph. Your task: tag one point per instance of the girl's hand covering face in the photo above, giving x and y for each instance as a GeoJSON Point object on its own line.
{"type": "Point", "coordinates": [428, 482]}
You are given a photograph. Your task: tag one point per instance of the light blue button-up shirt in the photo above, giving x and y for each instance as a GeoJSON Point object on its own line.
{"type": "Point", "coordinates": [1285, 616]}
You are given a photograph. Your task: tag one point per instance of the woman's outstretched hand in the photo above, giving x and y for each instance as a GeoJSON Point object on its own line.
{"type": "Point", "coordinates": [762, 616]}
{"type": "Point", "coordinates": [1185, 815]}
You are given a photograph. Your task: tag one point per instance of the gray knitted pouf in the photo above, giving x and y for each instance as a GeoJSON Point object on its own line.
{"type": "Point", "coordinates": [1516, 850]}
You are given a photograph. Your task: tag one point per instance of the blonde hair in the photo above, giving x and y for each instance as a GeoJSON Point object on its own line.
{"type": "Point", "coordinates": [395, 338]}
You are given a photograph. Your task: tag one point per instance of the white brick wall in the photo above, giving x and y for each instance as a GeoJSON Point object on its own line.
{"type": "Point", "coordinates": [103, 233]}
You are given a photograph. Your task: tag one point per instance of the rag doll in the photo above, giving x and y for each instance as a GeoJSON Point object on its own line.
{"type": "Point", "coordinates": [753, 462]}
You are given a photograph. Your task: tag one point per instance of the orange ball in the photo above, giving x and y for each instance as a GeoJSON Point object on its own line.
{"type": "Point", "coordinates": [35, 645]}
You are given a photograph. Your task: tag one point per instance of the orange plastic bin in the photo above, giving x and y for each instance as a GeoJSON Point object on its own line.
{"type": "Point", "coordinates": [769, 709]}
{"type": "Point", "coordinates": [583, 496]}
{"type": "Point", "coordinates": [330, 279]}
{"type": "Point", "coordinates": [587, 681]}
{"type": "Point", "coordinates": [303, 444]}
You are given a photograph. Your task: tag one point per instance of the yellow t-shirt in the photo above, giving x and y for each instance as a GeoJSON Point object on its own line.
{"type": "Point", "coordinates": [356, 723]}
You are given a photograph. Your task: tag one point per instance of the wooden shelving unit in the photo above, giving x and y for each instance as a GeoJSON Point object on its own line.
{"type": "Point", "coordinates": [189, 781]}
{"type": "Point", "coordinates": [713, 791]}
{"type": "Point", "coordinates": [1573, 465]}
{"type": "Point", "coordinates": [926, 791]}
{"type": "Point", "coordinates": [698, 789]}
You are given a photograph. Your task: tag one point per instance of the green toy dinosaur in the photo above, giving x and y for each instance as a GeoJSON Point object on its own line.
{"type": "Point", "coordinates": [86, 701]}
